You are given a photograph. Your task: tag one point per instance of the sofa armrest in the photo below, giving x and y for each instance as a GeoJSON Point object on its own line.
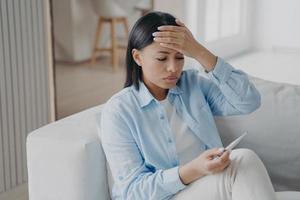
{"type": "Point", "coordinates": [66, 161]}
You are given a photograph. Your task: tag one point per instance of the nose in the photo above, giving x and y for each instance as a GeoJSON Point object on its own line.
{"type": "Point", "coordinates": [173, 66]}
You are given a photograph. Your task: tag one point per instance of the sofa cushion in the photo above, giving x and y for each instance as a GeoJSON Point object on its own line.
{"type": "Point", "coordinates": [288, 195]}
{"type": "Point", "coordinates": [273, 132]}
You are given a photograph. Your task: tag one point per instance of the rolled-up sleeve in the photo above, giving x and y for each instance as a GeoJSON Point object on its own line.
{"type": "Point", "coordinates": [132, 178]}
{"type": "Point", "coordinates": [230, 92]}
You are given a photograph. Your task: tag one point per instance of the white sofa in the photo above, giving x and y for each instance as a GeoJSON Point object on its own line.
{"type": "Point", "coordinates": [66, 161]}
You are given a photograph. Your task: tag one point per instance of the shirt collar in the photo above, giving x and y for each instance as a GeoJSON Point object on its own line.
{"type": "Point", "coordinates": [145, 97]}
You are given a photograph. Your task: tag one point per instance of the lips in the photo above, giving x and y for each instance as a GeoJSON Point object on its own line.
{"type": "Point", "coordinates": [171, 78]}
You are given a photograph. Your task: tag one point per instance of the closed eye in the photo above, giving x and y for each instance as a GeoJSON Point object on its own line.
{"type": "Point", "coordinates": [163, 59]}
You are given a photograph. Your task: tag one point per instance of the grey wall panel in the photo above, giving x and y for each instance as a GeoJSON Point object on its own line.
{"type": "Point", "coordinates": [24, 84]}
{"type": "Point", "coordinates": [26, 88]}
{"type": "Point", "coordinates": [42, 41]}
{"type": "Point", "coordinates": [7, 105]}
{"type": "Point", "coordinates": [31, 82]}
{"type": "Point", "coordinates": [2, 97]}
{"type": "Point", "coordinates": [14, 94]}
{"type": "Point", "coordinates": [36, 59]}
{"type": "Point", "coordinates": [20, 119]}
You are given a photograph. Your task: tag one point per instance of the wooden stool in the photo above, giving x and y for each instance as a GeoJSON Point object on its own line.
{"type": "Point", "coordinates": [113, 21]}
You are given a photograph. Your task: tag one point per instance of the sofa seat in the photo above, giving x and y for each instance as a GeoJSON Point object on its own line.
{"type": "Point", "coordinates": [288, 195]}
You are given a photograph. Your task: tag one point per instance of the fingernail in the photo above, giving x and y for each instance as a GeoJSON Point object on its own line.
{"type": "Point", "coordinates": [158, 28]}
{"type": "Point", "coordinates": [221, 150]}
{"type": "Point", "coordinates": [154, 34]}
{"type": "Point", "coordinates": [179, 21]}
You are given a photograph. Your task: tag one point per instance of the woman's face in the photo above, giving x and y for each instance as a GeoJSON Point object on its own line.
{"type": "Point", "coordinates": [161, 66]}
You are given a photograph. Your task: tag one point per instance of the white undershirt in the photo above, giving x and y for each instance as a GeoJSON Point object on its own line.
{"type": "Point", "coordinates": [188, 145]}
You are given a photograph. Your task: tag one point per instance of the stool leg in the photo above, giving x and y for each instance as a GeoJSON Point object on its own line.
{"type": "Point", "coordinates": [114, 45]}
{"type": "Point", "coordinates": [125, 22]}
{"type": "Point", "coordinates": [98, 32]}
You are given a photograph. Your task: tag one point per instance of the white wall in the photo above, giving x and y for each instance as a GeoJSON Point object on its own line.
{"type": "Point", "coordinates": [75, 25]}
{"type": "Point", "coordinates": [276, 24]}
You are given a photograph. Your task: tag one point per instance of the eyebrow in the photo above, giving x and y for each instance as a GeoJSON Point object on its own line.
{"type": "Point", "coordinates": [164, 52]}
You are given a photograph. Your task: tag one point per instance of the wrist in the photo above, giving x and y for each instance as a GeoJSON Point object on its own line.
{"type": "Point", "coordinates": [207, 59]}
{"type": "Point", "coordinates": [189, 172]}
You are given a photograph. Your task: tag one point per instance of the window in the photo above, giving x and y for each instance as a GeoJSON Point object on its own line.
{"type": "Point", "coordinates": [222, 26]}
{"type": "Point", "coordinates": [222, 19]}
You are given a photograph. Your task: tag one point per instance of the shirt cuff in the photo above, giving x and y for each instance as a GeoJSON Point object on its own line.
{"type": "Point", "coordinates": [172, 180]}
{"type": "Point", "coordinates": [221, 72]}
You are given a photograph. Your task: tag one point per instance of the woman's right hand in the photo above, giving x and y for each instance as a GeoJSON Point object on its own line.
{"type": "Point", "coordinates": [211, 161]}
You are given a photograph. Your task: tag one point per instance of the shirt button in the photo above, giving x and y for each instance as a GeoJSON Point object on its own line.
{"type": "Point", "coordinates": [169, 140]}
{"type": "Point", "coordinates": [120, 177]}
{"type": "Point", "coordinates": [162, 117]}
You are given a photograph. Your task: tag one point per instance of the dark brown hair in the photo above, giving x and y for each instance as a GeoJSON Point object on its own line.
{"type": "Point", "coordinates": [141, 36]}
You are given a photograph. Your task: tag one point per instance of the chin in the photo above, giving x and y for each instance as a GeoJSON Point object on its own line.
{"type": "Point", "coordinates": [168, 86]}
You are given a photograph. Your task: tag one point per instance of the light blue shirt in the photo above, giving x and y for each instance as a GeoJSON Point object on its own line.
{"type": "Point", "coordinates": [137, 138]}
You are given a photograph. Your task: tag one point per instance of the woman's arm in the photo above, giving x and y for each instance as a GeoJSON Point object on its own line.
{"type": "Point", "coordinates": [229, 91]}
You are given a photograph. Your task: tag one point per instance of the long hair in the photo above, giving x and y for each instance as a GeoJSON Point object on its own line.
{"type": "Point", "coordinates": [141, 36]}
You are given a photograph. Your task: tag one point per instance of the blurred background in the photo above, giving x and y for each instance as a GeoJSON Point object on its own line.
{"type": "Point", "coordinates": [259, 37]}
{"type": "Point", "coordinates": [59, 57]}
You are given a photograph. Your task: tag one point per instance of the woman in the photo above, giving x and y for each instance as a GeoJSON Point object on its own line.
{"type": "Point", "coordinates": [159, 134]}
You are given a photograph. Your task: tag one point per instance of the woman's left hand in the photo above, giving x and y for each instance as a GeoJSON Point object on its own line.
{"type": "Point", "coordinates": [178, 38]}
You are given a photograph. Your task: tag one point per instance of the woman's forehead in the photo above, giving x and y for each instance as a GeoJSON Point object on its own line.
{"type": "Point", "coordinates": [157, 48]}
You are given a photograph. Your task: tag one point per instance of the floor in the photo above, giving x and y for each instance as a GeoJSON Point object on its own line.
{"type": "Point", "coordinates": [82, 86]}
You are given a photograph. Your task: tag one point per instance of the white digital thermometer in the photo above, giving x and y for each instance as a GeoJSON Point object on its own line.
{"type": "Point", "coordinates": [235, 142]}
{"type": "Point", "coordinates": [232, 144]}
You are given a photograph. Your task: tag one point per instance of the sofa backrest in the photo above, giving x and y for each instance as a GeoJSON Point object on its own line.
{"type": "Point", "coordinates": [273, 132]}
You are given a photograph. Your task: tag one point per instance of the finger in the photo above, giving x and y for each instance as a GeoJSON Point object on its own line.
{"type": "Point", "coordinates": [214, 152]}
{"type": "Point", "coordinates": [225, 155]}
{"type": "Point", "coordinates": [221, 151]}
{"type": "Point", "coordinates": [210, 152]}
{"type": "Point", "coordinates": [179, 22]}
{"type": "Point", "coordinates": [223, 159]}
{"type": "Point", "coordinates": [167, 34]}
{"type": "Point", "coordinates": [222, 167]}
{"type": "Point", "coordinates": [168, 40]}
{"type": "Point", "coordinates": [214, 165]}
{"type": "Point", "coordinates": [171, 28]}
{"type": "Point", "coordinates": [227, 164]}
{"type": "Point", "coordinates": [219, 161]}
